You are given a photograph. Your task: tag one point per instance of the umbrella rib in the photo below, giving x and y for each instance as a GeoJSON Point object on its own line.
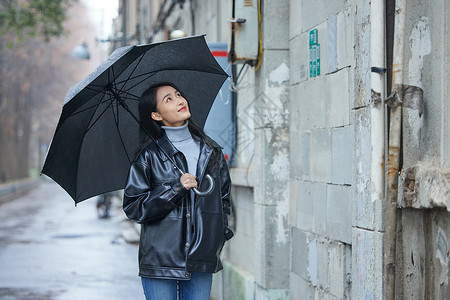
{"type": "Point", "coordinates": [136, 84]}
{"type": "Point", "coordinates": [90, 87]}
{"type": "Point", "coordinates": [116, 116]}
{"type": "Point", "coordinates": [130, 96]}
{"type": "Point", "coordinates": [111, 68]}
{"type": "Point", "coordinates": [121, 92]}
{"type": "Point", "coordinates": [102, 113]}
{"type": "Point", "coordinates": [126, 91]}
{"type": "Point", "coordinates": [116, 119]}
{"type": "Point", "coordinates": [90, 107]}
{"type": "Point", "coordinates": [138, 76]}
{"type": "Point", "coordinates": [129, 99]}
{"type": "Point", "coordinates": [113, 96]}
{"type": "Point", "coordinates": [154, 72]}
{"type": "Point", "coordinates": [131, 73]}
{"type": "Point", "coordinates": [145, 78]}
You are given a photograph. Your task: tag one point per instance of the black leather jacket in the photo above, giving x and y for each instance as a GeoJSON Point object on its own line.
{"type": "Point", "coordinates": [180, 234]}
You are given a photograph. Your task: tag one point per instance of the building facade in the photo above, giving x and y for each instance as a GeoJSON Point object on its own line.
{"type": "Point", "coordinates": [341, 170]}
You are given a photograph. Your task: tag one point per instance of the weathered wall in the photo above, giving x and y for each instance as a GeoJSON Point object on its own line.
{"type": "Point", "coordinates": [368, 221]}
{"type": "Point", "coordinates": [425, 68]}
{"type": "Point", "coordinates": [321, 152]}
{"type": "Point", "coordinates": [258, 255]}
{"type": "Point", "coordinates": [422, 268]}
{"type": "Point", "coordinates": [422, 254]}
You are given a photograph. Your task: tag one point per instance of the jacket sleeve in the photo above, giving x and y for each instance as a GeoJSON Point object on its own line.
{"type": "Point", "coordinates": [145, 202]}
{"type": "Point", "coordinates": [226, 196]}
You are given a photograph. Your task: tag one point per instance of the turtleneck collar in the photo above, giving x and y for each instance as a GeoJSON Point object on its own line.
{"type": "Point", "coordinates": [178, 134]}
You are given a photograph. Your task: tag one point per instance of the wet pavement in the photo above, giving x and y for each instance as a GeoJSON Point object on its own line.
{"type": "Point", "coordinates": [50, 249]}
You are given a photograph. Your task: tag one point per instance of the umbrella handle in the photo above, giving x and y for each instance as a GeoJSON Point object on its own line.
{"type": "Point", "coordinates": [210, 188]}
{"type": "Point", "coordinates": [210, 179]}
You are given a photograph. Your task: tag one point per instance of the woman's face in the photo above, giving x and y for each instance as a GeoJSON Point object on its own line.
{"type": "Point", "coordinates": [172, 108]}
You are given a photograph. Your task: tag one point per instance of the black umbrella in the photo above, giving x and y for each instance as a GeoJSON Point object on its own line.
{"type": "Point", "coordinates": [98, 132]}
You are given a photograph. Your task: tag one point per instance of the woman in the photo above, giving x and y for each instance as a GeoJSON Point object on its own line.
{"type": "Point", "coordinates": [182, 233]}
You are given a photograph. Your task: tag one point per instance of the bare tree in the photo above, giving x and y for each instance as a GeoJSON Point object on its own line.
{"type": "Point", "coordinates": [35, 74]}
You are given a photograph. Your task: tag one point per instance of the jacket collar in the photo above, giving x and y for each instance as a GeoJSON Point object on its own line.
{"type": "Point", "coordinates": [166, 146]}
{"type": "Point", "coordinates": [205, 153]}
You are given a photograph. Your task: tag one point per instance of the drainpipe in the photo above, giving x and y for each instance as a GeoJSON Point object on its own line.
{"type": "Point", "coordinates": [378, 61]}
{"type": "Point", "coordinates": [394, 103]}
{"type": "Point", "coordinates": [378, 85]}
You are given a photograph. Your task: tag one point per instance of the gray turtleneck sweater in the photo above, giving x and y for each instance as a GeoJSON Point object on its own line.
{"type": "Point", "coordinates": [182, 139]}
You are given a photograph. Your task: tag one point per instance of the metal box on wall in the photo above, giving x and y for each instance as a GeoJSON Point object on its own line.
{"type": "Point", "coordinates": [244, 31]}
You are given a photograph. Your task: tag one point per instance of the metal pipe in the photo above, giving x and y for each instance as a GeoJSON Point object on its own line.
{"type": "Point", "coordinates": [377, 114]}
{"type": "Point", "coordinates": [394, 152]}
{"type": "Point", "coordinates": [378, 60]}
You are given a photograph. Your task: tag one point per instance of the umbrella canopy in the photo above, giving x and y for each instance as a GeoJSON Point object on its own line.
{"type": "Point", "coordinates": [98, 131]}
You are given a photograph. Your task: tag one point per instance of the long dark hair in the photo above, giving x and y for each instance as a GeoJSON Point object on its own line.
{"type": "Point", "coordinates": [147, 105]}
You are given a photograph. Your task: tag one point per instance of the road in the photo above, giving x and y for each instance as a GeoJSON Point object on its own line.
{"type": "Point", "coordinates": [52, 250]}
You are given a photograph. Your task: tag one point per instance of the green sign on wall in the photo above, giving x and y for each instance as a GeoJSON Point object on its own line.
{"type": "Point", "coordinates": [314, 53]}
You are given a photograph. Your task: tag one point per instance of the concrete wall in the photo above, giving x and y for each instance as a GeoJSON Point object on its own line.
{"type": "Point", "coordinates": [293, 181]}
{"type": "Point", "coordinates": [321, 151]}
{"type": "Point", "coordinates": [258, 255]}
{"type": "Point", "coordinates": [422, 254]}
{"type": "Point", "coordinates": [425, 67]}
{"type": "Point", "coordinates": [422, 268]}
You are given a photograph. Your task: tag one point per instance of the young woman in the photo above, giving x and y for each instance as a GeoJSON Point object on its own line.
{"type": "Point", "coordinates": [182, 234]}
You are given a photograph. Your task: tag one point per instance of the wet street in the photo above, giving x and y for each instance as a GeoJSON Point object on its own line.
{"type": "Point", "coordinates": [50, 249]}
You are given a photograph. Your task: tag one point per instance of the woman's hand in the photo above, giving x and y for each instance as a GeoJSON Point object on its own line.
{"type": "Point", "coordinates": [188, 181]}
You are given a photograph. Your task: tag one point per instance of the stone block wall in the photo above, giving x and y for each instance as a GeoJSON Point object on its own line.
{"type": "Point", "coordinates": [321, 152]}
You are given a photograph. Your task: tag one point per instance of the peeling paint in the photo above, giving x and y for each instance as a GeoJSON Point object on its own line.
{"type": "Point", "coordinates": [313, 262]}
{"type": "Point", "coordinates": [420, 44]}
{"type": "Point", "coordinates": [276, 94]}
{"type": "Point", "coordinates": [364, 204]}
{"type": "Point", "coordinates": [282, 214]}
{"type": "Point", "coordinates": [442, 255]}
{"type": "Point", "coordinates": [269, 135]}
{"type": "Point", "coordinates": [280, 166]}
{"type": "Point", "coordinates": [273, 114]}
{"type": "Point", "coordinates": [280, 74]}
{"type": "Point", "coordinates": [280, 169]}
{"type": "Point", "coordinates": [363, 252]}
{"type": "Point", "coordinates": [269, 109]}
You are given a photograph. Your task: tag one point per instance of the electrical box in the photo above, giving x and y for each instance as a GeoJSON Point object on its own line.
{"type": "Point", "coordinates": [220, 125]}
{"type": "Point", "coordinates": [244, 31]}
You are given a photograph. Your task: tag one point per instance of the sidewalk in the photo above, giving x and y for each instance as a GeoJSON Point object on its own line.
{"type": "Point", "coordinates": [50, 249]}
{"type": "Point", "coordinates": [17, 188]}
{"type": "Point", "coordinates": [130, 230]}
